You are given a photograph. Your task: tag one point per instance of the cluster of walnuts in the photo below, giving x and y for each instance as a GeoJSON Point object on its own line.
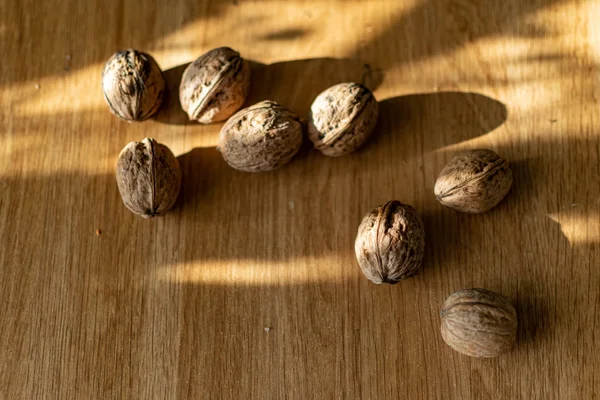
{"type": "Point", "coordinates": [390, 241]}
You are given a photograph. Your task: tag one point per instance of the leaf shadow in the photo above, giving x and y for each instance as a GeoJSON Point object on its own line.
{"type": "Point", "coordinates": [435, 27]}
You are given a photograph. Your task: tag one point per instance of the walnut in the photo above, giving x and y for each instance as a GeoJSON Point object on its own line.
{"type": "Point", "coordinates": [342, 118]}
{"type": "Point", "coordinates": [479, 323]}
{"type": "Point", "coordinates": [390, 243]}
{"type": "Point", "coordinates": [474, 181]}
{"type": "Point", "coordinates": [148, 177]}
{"type": "Point", "coordinates": [215, 85]}
{"type": "Point", "coordinates": [133, 85]}
{"type": "Point", "coordinates": [261, 137]}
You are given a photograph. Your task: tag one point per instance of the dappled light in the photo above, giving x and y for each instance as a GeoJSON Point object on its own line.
{"type": "Point", "coordinates": [249, 286]}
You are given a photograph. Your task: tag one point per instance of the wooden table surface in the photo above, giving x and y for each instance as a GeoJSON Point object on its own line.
{"type": "Point", "coordinates": [249, 288]}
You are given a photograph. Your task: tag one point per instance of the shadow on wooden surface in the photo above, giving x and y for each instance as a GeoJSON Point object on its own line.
{"type": "Point", "coordinates": [176, 307]}
{"type": "Point", "coordinates": [189, 265]}
{"type": "Point", "coordinates": [166, 18]}
{"type": "Point", "coordinates": [536, 313]}
{"type": "Point", "coordinates": [457, 23]}
{"type": "Point", "coordinates": [284, 34]}
{"type": "Point", "coordinates": [296, 84]}
{"type": "Point", "coordinates": [170, 111]}
{"type": "Point", "coordinates": [440, 118]}
{"type": "Point", "coordinates": [211, 188]}
{"type": "Point", "coordinates": [293, 84]}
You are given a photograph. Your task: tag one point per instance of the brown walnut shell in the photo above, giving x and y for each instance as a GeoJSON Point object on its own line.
{"type": "Point", "coordinates": [133, 85]}
{"type": "Point", "coordinates": [390, 243]}
{"type": "Point", "coordinates": [148, 177]}
{"type": "Point", "coordinates": [215, 85]}
{"type": "Point", "coordinates": [474, 181]}
{"type": "Point", "coordinates": [342, 118]}
{"type": "Point", "coordinates": [479, 323]}
{"type": "Point", "coordinates": [262, 137]}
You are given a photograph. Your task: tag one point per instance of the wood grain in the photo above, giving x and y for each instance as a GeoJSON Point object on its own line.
{"type": "Point", "coordinates": [249, 288]}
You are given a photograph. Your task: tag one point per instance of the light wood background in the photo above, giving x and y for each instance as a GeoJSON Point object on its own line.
{"type": "Point", "coordinates": [249, 288]}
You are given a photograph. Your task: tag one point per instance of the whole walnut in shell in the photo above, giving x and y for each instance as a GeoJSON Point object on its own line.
{"type": "Point", "coordinates": [342, 118]}
{"type": "Point", "coordinates": [215, 85]}
{"type": "Point", "coordinates": [390, 243]}
{"type": "Point", "coordinates": [148, 177]}
{"type": "Point", "coordinates": [474, 181]}
{"type": "Point", "coordinates": [133, 85]}
{"type": "Point", "coordinates": [261, 137]}
{"type": "Point", "coordinates": [479, 323]}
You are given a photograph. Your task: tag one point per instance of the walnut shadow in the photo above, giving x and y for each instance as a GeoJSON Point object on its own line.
{"type": "Point", "coordinates": [300, 193]}
{"type": "Point", "coordinates": [539, 211]}
{"type": "Point", "coordinates": [443, 118]}
{"type": "Point", "coordinates": [293, 84]}
{"type": "Point", "coordinates": [170, 111]}
{"type": "Point", "coordinates": [534, 318]}
{"type": "Point", "coordinates": [520, 249]}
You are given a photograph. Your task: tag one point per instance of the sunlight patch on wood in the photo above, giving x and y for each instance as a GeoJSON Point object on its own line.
{"type": "Point", "coordinates": [256, 273]}
{"type": "Point", "coordinates": [76, 91]}
{"type": "Point", "coordinates": [577, 228]}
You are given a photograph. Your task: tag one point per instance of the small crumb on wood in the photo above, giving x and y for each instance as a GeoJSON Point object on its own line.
{"type": "Point", "coordinates": [67, 63]}
{"type": "Point", "coordinates": [267, 329]}
{"type": "Point", "coordinates": [573, 204]}
{"type": "Point", "coordinates": [292, 205]}
{"type": "Point", "coordinates": [98, 232]}
{"type": "Point", "coordinates": [37, 86]}
{"type": "Point", "coordinates": [552, 120]}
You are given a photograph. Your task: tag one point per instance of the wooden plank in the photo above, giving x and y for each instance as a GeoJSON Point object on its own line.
{"type": "Point", "coordinates": [249, 288]}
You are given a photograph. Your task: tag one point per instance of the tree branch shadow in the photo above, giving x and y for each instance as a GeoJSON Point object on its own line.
{"type": "Point", "coordinates": [456, 23]}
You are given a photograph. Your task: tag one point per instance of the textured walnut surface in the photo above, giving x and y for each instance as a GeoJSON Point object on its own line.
{"type": "Point", "coordinates": [133, 85]}
{"type": "Point", "coordinates": [261, 137]}
{"type": "Point", "coordinates": [390, 243]}
{"type": "Point", "coordinates": [215, 85]}
{"type": "Point", "coordinates": [479, 323]}
{"type": "Point", "coordinates": [149, 178]}
{"type": "Point", "coordinates": [342, 118]}
{"type": "Point", "coordinates": [474, 181]}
